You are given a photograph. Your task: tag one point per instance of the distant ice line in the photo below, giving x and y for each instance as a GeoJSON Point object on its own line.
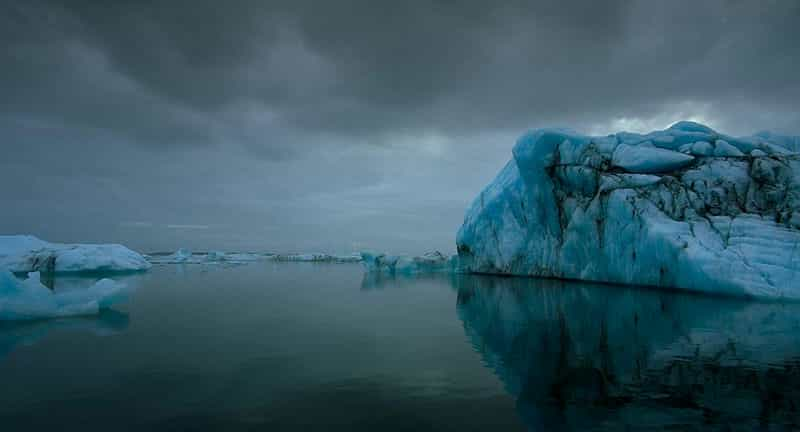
{"type": "Point", "coordinates": [185, 256]}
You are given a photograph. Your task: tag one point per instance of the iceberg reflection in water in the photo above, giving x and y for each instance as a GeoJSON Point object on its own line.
{"type": "Point", "coordinates": [14, 334]}
{"type": "Point", "coordinates": [580, 356]}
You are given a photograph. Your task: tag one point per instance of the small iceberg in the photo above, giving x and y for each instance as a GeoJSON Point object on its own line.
{"type": "Point", "coordinates": [25, 253]}
{"type": "Point", "coordinates": [430, 262]}
{"type": "Point", "coordinates": [181, 255]}
{"type": "Point", "coordinates": [29, 299]}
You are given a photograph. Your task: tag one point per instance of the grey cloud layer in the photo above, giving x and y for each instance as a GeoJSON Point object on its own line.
{"type": "Point", "coordinates": [286, 108]}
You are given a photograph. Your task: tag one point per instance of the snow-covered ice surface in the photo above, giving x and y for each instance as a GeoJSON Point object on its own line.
{"type": "Point", "coordinates": [686, 207]}
{"type": "Point", "coordinates": [24, 253]}
{"type": "Point", "coordinates": [430, 262]}
{"type": "Point", "coordinates": [28, 299]}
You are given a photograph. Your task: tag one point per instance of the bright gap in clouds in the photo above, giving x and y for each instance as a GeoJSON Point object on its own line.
{"type": "Point", "coordinates": [691, 111]}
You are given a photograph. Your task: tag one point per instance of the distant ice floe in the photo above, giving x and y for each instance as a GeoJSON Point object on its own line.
{"type": "Point", "coordinates": [184, 256]}
{"type": "Point", "coordinates": [318, 257]}
{"type": "Point", "coordinates": [29, 299]}
{"type": "Point", "coordinates": [25, 253]}
{"type": "Point", "coordinates": [430, 262]}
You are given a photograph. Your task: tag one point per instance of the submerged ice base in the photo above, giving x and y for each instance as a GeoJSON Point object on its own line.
{"type": "Point", "coordinates": [685, 208]}
{"type": "Point", "coordinates": [28, 299]}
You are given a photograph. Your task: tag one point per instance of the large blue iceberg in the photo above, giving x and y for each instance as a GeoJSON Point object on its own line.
{"type": "Point", "coordinates": [686, 208]}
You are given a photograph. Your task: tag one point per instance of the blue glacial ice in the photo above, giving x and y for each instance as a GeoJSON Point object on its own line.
{"type": "Point", "coordinates": [29, 299]}
{"type": "Point", "coordinates": [24, 253]}
{"type": "Point", "coordinates": [686, 208]}
{"type": "Point", "coordinates": [430, 262]}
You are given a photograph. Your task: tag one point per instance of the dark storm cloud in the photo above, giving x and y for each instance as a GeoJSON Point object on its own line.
{"type": "Point", "coordinates": [186, 67]}
{"type": "Point", "coordinates": [290, 115]}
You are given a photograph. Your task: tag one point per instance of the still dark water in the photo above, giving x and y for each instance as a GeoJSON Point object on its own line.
{"type": "Point", "coordinates": [301, 346]}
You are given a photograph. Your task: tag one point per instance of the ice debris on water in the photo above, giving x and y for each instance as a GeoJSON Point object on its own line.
{"type": "Point", "coordinates": [400, 264]}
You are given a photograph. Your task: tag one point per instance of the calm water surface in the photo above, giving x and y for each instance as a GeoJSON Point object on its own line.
{"type": "Point", "coordinates": [302, 346]}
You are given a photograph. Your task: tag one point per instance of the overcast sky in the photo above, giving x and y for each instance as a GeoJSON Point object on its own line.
{"type": "Point", "coordinates": [339, 125]}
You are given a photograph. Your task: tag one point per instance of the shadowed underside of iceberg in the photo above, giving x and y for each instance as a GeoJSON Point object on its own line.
{"type": "Point", "coordinates": [685, 208]}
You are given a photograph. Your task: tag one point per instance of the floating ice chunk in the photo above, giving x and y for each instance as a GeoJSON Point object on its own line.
{"type": "Point", "coordinates": [638, 159]}
{"type": "Point", "coordinates": [28, 299]}
{"type": "Point", "coordinates": [430, 262]}
{"type": "Point", "coordinates": [243, 257]}
{"type": "Point", "coordinates": [215, 256]}
{"type": "Point", "coordinates": [181, 255]}
{"type": "Point", "coordinates": [21, 254]}
{"type": "Point", "coordinates": [757, 153]}
{"type": "Point", "coordinates": [723, 149]}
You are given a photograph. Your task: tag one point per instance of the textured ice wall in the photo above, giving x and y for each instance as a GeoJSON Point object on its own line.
{"type": "Point", "coordinates": [686, 207]}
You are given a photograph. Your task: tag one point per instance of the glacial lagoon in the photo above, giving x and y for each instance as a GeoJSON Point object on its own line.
{"type": "Point", "coordinates": [324, 346]}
